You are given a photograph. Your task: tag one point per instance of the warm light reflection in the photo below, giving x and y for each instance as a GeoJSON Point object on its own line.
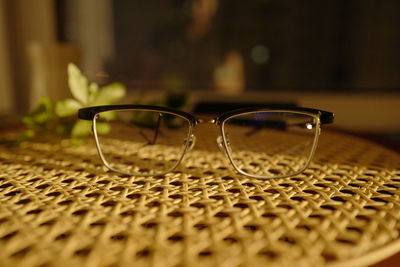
{"type": "Point", "coordinates": [203, 12]}
{"type": "Point", "coordinates": [229, 77]}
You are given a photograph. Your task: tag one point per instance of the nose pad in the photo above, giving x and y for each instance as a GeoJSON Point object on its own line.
{"type": "Point", "coordinates": [191, 142]}
{"type": "Point", "coordinates": [221, 145]}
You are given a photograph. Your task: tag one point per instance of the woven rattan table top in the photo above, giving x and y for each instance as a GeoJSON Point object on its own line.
{"type": "Point", "coordinates": [60, 207]}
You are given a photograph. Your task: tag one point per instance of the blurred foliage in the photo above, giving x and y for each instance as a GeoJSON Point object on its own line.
{"type": "Point", "coordinates": [85, 95]}
{"type": "Point", "coordinates": [61, 117]}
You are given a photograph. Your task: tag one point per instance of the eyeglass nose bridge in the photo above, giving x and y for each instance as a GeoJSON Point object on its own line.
{"type": "Point", "coordinates": [202, 120]}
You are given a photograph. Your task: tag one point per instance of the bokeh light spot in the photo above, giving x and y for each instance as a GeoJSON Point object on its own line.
{"type": "Point", "coordinates": [260, 54]}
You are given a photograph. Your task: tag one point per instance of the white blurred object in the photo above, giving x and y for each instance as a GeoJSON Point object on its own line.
{"type": "Point", "coordinates": [93, 30]}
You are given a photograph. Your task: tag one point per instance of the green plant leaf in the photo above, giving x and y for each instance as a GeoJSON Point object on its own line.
{"type": "Point", "coordinates": [46, 103]}
{"type": "Point", "coordinates": [40, 115]}
{"type": "Point", "coordinates": [109, 115]}
{"type": "Point", "coordinates": [68, 107]}
{"type": "Point", "coordinates": [65, 127]}
{"type": "Point", "coordinates": [77, 140]}
{"type": "Point", "coordinates": [103, 128]}
{"type": "Point", "coordinates": [78, 84]}
{"type": "Point", "coordinates": [81, 128]}
{"type": "Point", "coordinates": [93, 92]}
{"type": "Point", "coordinates": [26, 135]}
{"type": "Point", "coordinates": [110, 94]}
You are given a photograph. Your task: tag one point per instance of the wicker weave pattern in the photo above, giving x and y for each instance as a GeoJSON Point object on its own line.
{"type": "Point", "coordinates": [60, 207]}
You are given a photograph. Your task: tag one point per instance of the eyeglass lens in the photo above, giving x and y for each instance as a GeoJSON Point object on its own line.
{"type": "Point", "coordinates": [270, 144]}
{"type": "Point", "coordinates": [141, 142]}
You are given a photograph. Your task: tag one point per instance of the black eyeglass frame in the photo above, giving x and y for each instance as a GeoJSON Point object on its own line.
{"type": "Point", "coordinates": [89, 113]}
{"type": "Point", "coordinates": [321, 116]}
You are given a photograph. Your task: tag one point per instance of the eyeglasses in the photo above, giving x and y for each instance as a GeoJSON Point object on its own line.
{"type": "Point", "coordinates": [260, 142]}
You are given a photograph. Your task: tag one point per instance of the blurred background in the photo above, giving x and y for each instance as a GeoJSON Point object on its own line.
{"type": "Point", "coordinates": [338, 55]}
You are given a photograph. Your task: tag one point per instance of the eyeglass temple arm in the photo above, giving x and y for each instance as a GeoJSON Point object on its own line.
{"type": "Point", "coordinates": [277, 125]}
{"type": "Point", "coordinates": [152, 142]}
{"type": "Point", "coordinates": [157, 128]}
